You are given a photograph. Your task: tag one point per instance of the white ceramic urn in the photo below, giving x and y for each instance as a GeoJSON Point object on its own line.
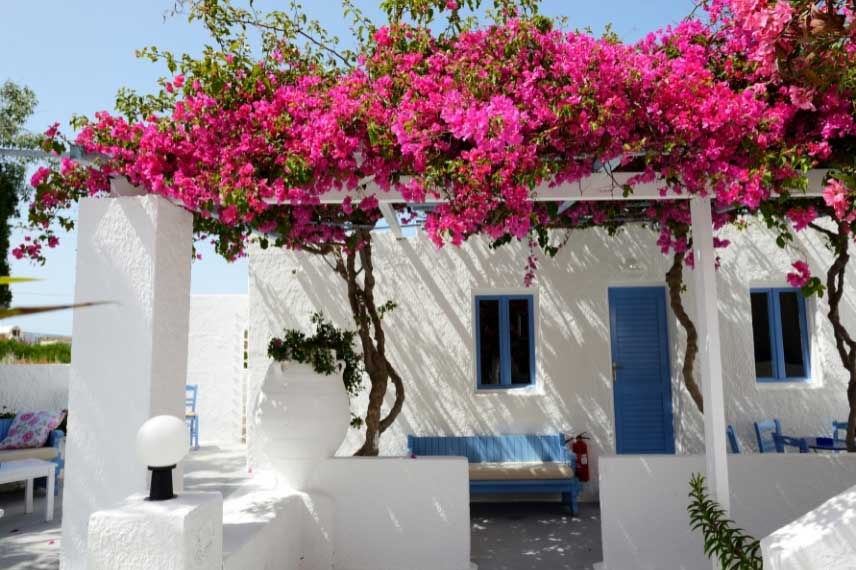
{"type": "Point", "coordinates": [301, 418]}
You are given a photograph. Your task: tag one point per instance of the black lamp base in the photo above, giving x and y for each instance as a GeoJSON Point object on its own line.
{"type": "Point", "coordinates": [161, 489]}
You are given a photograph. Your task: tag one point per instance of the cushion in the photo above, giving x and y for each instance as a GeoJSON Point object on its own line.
{"type": "Point", "coordinates": [519, 471]}
{"type": "Point", "coordinates": [46, 453]}
{"type": "Point", "coordinates": [31, 429]}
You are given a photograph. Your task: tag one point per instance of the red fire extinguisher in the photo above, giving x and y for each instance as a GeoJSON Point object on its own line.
{"type": "Point", "coordinates": [580, 449]}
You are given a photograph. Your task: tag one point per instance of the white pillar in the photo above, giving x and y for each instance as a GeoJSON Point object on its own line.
{"type": "Point", "coordinates": [710, 358]}
{"type": "Point", "coordinates": [129, 358]}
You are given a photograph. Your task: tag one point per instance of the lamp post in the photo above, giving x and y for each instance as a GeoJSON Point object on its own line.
{"type": "Point", "coordinates": [161, 443]}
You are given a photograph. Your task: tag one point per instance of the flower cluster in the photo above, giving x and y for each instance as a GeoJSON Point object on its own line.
{"type": "Point", "coordinates": [482, 119]}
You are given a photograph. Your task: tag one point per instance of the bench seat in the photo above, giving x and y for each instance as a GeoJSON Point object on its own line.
{"type": "Point", "coordinates": [519, 471]}
{"type": "Point", "coordinates": [46, 453]}
{"type": "Point", "coordinates": [526, 463]}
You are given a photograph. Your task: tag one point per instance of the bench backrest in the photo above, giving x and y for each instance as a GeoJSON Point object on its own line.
{"type": "Point", "coordinates": [494, 448]}
{"type": "Point", "coordinates": [5, 424]}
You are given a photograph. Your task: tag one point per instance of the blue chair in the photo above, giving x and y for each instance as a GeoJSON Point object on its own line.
{"type": "Point", "coordinates": [782, 441]}
{"type": "Point", "coordinates": [765, 432]}
{"type": "Point", "coordinates": [836, 427]}
{"type": "Point", "coordinates": [190, 415]}
{"type": "Point", "coordinates": [732, 439]}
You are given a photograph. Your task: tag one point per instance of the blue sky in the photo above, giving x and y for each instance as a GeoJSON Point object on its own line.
{"type": "Point", "coordinates": [75, 55]}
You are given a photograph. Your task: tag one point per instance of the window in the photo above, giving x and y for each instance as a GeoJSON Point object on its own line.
{"type": "Point", "coordinates": [780, 335]}
{"type": "Point", "coordinates": [505, 341]}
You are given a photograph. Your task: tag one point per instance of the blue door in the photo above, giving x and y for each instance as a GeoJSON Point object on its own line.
{"type": "Point", "coordinates": [640, 370]}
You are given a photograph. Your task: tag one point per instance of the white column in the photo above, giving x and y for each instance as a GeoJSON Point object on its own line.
{"type": "Point", "coordinates": [710, 358]}
{"type": "Point", "coordinates": [129, 358]}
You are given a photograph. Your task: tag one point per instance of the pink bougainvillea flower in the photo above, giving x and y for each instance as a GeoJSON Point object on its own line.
{"type": "Point", "coordinates": [835, 195]}
{"type": "Point", "coordinates": [800, 276]}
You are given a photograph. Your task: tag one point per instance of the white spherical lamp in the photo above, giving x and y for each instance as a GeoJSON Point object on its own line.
{"type": "Point", "coordinates": [161, 443]}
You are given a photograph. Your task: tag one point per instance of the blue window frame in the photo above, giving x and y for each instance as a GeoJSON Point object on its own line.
{"type": "Point", "coordinates": [780, 335]}
{"type": "Point", "coordinates": [505, 341]}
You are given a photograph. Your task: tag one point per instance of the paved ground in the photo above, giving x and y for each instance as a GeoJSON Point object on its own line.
{"type": "Point", "coordinates": [505, 536]}
{"type": "Point", "coordinates": [534, 536]}
{"type": "Point", "coordinates": [27, 542]}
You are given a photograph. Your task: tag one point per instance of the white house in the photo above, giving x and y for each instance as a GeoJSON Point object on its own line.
{"type": "Point", "coordinates": [443, 338]}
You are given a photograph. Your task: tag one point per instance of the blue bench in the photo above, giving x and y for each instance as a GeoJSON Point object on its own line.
{"type": "Point", "coordinates": [503, 449]}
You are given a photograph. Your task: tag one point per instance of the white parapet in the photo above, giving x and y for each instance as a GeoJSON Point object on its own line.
{"type": "Point", "coordinates": [185, 533]}
{"type": "Point", "coordinates": [129, 358]}
{"type": "Point", "coordinates": [821, 539]}
{"type": "Point", "coordinates": [398, 513]}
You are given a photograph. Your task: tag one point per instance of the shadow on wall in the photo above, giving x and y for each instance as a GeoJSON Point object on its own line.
{"type": "Point", "coordinates": [431, 343]}
{"type": "Point", "coordinates": [805, 408]}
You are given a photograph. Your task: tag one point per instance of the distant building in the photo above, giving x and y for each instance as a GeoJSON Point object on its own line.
{"type": "Point", "coordinates": [10, 332]}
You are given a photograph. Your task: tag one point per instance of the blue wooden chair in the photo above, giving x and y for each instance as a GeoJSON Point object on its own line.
{"type": "Point", "coordinates": [190, 415]}
{"type": "Point", "coordinates": [783, 441]}
{"type": "Point", "coordinates": [839, 427]}
{"type": "Point", "coordinates": [732, 439]}
{"type": "Point", "coordinates": [765, 432]}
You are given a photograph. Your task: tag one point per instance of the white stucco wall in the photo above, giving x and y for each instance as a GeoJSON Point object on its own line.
{"type": "Point", "coordinates": [215, 362]}
{"type": "Point", "coordinates": [34, 386]}
{"type": "Point", "coordinates": [430, 335]}
{"type": "Point", "coordinates": [643, 501]}
{"type": "Point", "coordinates": [358, 514]}
{"type": "Point", "coordinates": [822, 538]}
{"type": "Point", "coordinates": [398, 513]}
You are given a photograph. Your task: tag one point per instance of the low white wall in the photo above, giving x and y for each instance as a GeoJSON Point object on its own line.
{"type": "Point", "coordinates": [398, 513]}
{"type": "Point", "coordinates": [275, 529]}
{"type": "Point", "coordinates": [359, 514]}
{"type": "Point", "coordinates": [643, 501]}
{"type": "Point", "coordinates": [34, 386]}
{"type": "Point", "coordinates": [821, 539]}
{"type": "Point", "coordinates": [215, 362]}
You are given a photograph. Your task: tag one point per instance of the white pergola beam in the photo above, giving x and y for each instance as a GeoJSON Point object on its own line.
{"type": "Point", "coordinates": [600, 186]}
{"type": "Point", "coordinates": [710, 358]}
{"type": "Point", "coordinates": [391, 219]}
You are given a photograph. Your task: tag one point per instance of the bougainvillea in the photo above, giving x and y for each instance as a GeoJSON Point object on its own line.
{"type": "Point", "coordinates": [482, 119]}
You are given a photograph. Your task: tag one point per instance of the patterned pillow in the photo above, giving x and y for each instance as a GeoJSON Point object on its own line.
{"type": "Point", "coordinates": [31, 429]}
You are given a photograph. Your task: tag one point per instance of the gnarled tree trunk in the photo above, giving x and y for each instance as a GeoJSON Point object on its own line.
{"type": "Point", "coordinates": [675, 282]}
{"type": "Point", "coordinates": [844, 343]}
{"type": "Point", "coordinates": [354, 266]}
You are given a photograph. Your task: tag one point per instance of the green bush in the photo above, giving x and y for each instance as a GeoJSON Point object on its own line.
{"type": "Point", "coordinates": [22, 353]}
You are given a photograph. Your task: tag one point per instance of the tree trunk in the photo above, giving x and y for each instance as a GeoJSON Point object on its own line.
{"type": "Point", "coordinates": [844, 343]}
{"type": "Point", "coordinates": [369, 321]}
{"type": "Point", "coordinates": [675, 282]}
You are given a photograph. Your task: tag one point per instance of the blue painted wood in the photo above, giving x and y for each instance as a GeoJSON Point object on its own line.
{"type": "Point", "coordinates": [642, 388]}
{"type": "Point", "coordinates": [774, 313]}
{"type": "Point", "coordinates": [505, 341]}
{"type": "Point", "coordinates": [839, 427]}
{"type": "Point", "coordinates": [732, 439]}
{"type": "Point", "coordinates": [765, 432]}
{"type": "Point", "coordinates": [782, 441]}
{"type": "Point", "coordinates": [502, 449]}
{"type": "Point", "coordinates": [190, 393]}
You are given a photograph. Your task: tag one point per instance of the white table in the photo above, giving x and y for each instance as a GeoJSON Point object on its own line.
{"type": "Point", "coordinates": [27, 470]}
